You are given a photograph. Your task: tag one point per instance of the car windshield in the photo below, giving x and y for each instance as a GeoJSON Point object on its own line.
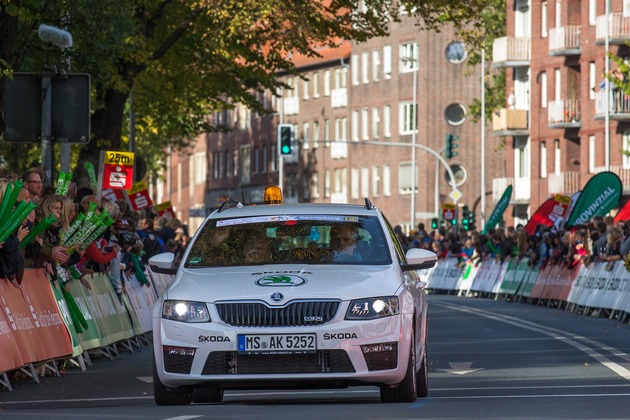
{"type": "Point", "coordinates": [293, 239]}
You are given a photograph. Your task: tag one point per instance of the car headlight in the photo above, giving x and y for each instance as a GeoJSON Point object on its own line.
{"type": "Point", "coordinates": [185, 311]}
{"type": "Point", "coordinates": [372, 308]}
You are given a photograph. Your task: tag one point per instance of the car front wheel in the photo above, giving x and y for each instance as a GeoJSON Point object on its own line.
{"type": "Point", "coordinates": [167, 396]}
{"type": "Point", "coordinates": [406, 390]}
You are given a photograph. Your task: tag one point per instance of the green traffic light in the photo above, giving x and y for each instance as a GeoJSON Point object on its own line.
{"type": "Point", "coordinates": [286, 150]}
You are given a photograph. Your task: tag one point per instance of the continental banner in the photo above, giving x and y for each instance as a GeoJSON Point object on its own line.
{"type": "Point", "coordinates": [600, 195]}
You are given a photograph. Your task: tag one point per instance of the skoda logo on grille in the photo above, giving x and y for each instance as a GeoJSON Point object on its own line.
{"type": "Point", "coordinates": [281, 280]}
{"type": "Point", "coordinates": [277, 297]}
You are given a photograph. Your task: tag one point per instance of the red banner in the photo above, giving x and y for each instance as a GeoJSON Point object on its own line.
{"type": "Point", "coordinates": [548, 213]}
{"type": "Point", "coordinates": [624, 213]}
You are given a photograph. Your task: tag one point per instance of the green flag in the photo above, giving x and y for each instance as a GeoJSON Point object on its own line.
{"type": "Point", "coordinates": [600, 195]}
{"type": "Point", "coordinates": [498, 211]}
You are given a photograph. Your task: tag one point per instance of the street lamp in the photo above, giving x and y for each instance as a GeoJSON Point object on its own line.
{"type": "Point", "coordinates": [414, 67]}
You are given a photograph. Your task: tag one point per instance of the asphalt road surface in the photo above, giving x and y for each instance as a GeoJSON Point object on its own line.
{"type": "Point", "coordinates": [487, 360]}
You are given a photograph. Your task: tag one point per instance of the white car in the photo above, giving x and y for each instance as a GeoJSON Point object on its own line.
{"type": "Point", "coordinates": [291, 296]}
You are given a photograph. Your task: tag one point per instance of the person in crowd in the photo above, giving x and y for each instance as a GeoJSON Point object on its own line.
{"type": "Point", "coordinates": [152, 244]}
{"type": "Point", "coordinates": [612, 252]}
{"type": "Point", "coordinates": [11, 259]}
{"type": "Point", "coordinates": [34, 182]}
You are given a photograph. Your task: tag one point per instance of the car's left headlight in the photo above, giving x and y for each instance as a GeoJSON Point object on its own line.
{"type": "Point", "coordinates": [185, 311]}
{"type": "Point", "coordinates": [372, 308]}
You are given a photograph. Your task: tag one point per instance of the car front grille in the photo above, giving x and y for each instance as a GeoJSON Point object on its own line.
{"type": "Point", "coordinates": [324, 361]}
{"type": "Point", "coordinates": [295, 314]}
{"type": "Point", "coordinates": [175, 363]}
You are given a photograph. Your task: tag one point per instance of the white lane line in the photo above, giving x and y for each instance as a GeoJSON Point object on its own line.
{"type": "Point", "coordinates": [553, 333]}
{"type": "Point", "coordinates": [487, 397]}
{"type": "Point", "coordinates": [182, 417]}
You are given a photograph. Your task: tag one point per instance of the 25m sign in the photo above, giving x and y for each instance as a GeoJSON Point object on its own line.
{"type": "Point", "coordinates": [118, 170]}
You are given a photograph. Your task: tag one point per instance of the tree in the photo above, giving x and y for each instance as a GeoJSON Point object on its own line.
{"type": "Point", "coordinates": [183, 59]}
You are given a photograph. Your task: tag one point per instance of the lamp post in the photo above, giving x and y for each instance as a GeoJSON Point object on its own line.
{"type": "Point", "coordinates": [414, 120]}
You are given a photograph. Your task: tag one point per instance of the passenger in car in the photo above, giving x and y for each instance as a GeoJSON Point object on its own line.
{"type": "Point", "coordinates": [257, 250]}
{"type": "Point", "coordinates": [343, 242]}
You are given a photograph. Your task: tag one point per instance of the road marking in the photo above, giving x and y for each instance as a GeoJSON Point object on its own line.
{"type": "Point", "coordinates": [460, 368]}
{"type": "Point", "coordinates": [555, 334]}
{"type": "Point", "coordinates": [182, 417]}
{"type": "Point", "coordinates": [146, 379]}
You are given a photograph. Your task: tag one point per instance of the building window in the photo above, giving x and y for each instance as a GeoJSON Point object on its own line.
{"type": "Point", "coordinates": [337, 78]}
{"type": "Point", "coordinates": [305, 134]}
{"type": "Point", "coordinates": [274, 158]}
{"type": "Point", "coordinates": [592, 12]}
{"type": "Point", "coordinates": [365, 182]}
{"type": "Point", "coordinates": [355, 125]}
{"type": "Point", "coordinates": [337, 129]}
{"type": "Point", "coordinates": [387, 181]}
{"type": "Point", "coordinates": [364, 124]}
{"type": "Point", "coordinates": [256, 165]}
{"type": "Point", "coordinates": [376, 123]}
{"type": "Point", "coordinates": [376, 65]}
{"type": "Point", "coordinates": [521, 149]}
{"type": "Point", "coordinates": [226, 159]}
{"type": "Point", "coordinates": [543, 90]}
{"type": "Point", "coordinates": [591, 154]}
{"type": "Point", "coordinates": [327, 183]}
{"type": "Point", "coordinates": [409, 57]}
{"type": "Point", "coordinates": [200, 167]}
{"type": "Point", "coordinates": [235, 166]}
{"type": "Point", "coordinates": [556, 156]}
{"type": "Point", "coordinates": [405, 177]}
{"type": "Point", "coordinates": [354, 68]}
{"type": "Point", "coordinates": [376, 179]}
{"type": "Point", "coordinates": [455, 114]}
{"type": "Point", "coordinates": [558, 82]}
{"type": "Point", "coordinates": [354, 183]}
{"type": "Point", "coordinates": [327, 83]}
{"type": "Point", "coordinates": [315, 185]}
{"type": "Point", "coordinates": [344, 129]}
{"type": "Point", "coordinates": [316, 85]}
{"type": "Point", "coordinates": [387, 62]}
{"type": "Point", "coordinates": [365, 66]}
{"type": "Point", "coordinates": [543, 20]}
{"type": "Point", "coordinates": [344, 77]}
{"type": "Point", "coordinates": [625, 159]}
{"type": "Point", "coordinates": [179, 182]}
{"type": "Point", "coordinates": [543, 160]}
{"type": "Point", "coordinates": [408, 118]}
{"type": "Point", "coordinates": [387, 114]}
{"type": "Point", "coordinates": [306, 88]}
{"type": "Point", "coordinates": [455, 52]}
{"type": "Point", "coordinates": [263, 168]}
{"type": "Point", "coordinates": [592, 80]}
{"type": "Point", "coordinates": [460, 174]}
{"type": "Point", "coordinates": [327, 133]}
{"type": "Point", "coordinates": [315, 134]}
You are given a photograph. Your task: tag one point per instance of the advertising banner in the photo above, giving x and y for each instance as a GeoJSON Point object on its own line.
{"type": "Point", "coordinates": [600, 195]}
{"type": "Point", "coordinates": [549, 213]}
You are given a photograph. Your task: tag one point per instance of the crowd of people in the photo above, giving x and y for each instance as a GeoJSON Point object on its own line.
{"type": "Point", "coordinates": [599, 240]}
{"type": "Point", "coordinates": [124, 246]}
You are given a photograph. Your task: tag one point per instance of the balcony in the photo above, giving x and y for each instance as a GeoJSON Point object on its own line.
{"type": "Point", "coordinates": [618, 29]}
{"type": "Point", "coordinates": [291, 105]}
{"type": "Point", "coordinates": [338, 150]}
{"type": "Point", "coordinates": [564, 113]}
{"type": "Point", "coordinates": [622, 172]}
{"type": "Point", "coordinates": [511, 52]}
{"type": "Point", "coordinates": [565, 40]}
{"type": "Point", "coordinates": [619, 105]}
{"type": "Point", "coordinates": [510, 122]}
{"type": "Point", "coordinates": [522, 190]}
{"type": "Point", "coordinates": [339, 98]}
{"type": "Point", "coordinates": [565, 183]}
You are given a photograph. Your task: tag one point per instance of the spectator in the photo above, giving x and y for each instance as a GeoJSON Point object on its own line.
{"type": "Point", "coordinates": [152, 244]}
{"type": "Point", "coordinates": [34, 182]}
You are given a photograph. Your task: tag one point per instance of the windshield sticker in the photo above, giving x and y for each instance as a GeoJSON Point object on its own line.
{"type": "Point", "coordinates": [290, 219]}
{"type": "Point", "coordinates": [194, 261]}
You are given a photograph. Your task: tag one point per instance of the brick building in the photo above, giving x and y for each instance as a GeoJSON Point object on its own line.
{"type": "Point", "coordinates": [555, 126]}
{"type": "Point", "coordinates": [354, 104]}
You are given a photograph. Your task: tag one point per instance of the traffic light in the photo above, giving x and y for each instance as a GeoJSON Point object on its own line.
{"type": "Point", "coordinates": [451, 143]}
{"type": "Point", "coordinates": [285, 138]}
{"type": "Point", "coordinates": [466, 218]}
{"type": "Point", "coordinates": [434, 223]}
{"type": "Point", "coordinates": [471, 221]}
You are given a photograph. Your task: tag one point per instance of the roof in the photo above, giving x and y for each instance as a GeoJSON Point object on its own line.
{"type": "Point", "coordinates": [328, 54]}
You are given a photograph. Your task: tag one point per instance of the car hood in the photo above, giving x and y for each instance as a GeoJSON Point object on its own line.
{"type": "Point", "coordinates": [311, 282]}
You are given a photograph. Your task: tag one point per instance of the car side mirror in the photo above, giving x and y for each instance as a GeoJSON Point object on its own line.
{"type": "Point", "coordinates": [419, 259]}
{"type": "Point", "coordinates": [163, 263]}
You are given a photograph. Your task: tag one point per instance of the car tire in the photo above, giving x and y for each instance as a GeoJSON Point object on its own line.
{"type": "Point", "coordinates": [163, 395]}
{"type": "Point", "coordinates": [212, 394]}
{"type": "Point", "coordinates": [422, 378]}
{"type": "Point", "coordinates": [406, 390]}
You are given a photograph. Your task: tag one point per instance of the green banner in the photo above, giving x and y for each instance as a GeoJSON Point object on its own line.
{"type": "Point", "coordinates": [600, 195]}
{"type": "Point", "coordinates": [498, 211]}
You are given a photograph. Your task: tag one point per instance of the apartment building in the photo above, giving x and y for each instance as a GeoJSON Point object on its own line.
{"type": "Point", "coordinates": [558, 129]}
{"type": "Point", "coordinates": [354, 122]}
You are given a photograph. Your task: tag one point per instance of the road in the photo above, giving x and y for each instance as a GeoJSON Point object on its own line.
{"type": "Point", "coordinates": [487, 360]}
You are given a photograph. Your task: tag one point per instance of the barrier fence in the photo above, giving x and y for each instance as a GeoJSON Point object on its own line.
{"type": "Point", "coordinates": [592, 290]}
{"type": "Point", "coordinates": [41, 325]}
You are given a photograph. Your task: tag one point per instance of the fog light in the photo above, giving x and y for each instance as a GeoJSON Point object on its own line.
{"type": "Point", "coordinates": [377, 348]}
{"type": "Point", "coordinates": [179, 351]}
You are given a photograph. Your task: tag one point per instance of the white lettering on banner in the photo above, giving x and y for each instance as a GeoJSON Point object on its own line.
{"type": "Point", "coordinates": [10, 317]}
{"type": "Point", "coordinates": [4, 328]}
{"type": "Point", "coordinates": [34, 315]}
{"type": "Point", "coordinates": [589, 212]}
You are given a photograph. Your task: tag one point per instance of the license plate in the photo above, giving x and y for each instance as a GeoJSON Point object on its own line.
{"type": "Point", "coordinates": [277, 343]}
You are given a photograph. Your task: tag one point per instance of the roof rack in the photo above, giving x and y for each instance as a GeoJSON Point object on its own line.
{"type": "Point", "coordinates": [229, 203]}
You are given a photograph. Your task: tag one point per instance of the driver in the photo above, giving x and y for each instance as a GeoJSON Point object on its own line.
{"type": "Point", "coordinates": [343, 241]}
